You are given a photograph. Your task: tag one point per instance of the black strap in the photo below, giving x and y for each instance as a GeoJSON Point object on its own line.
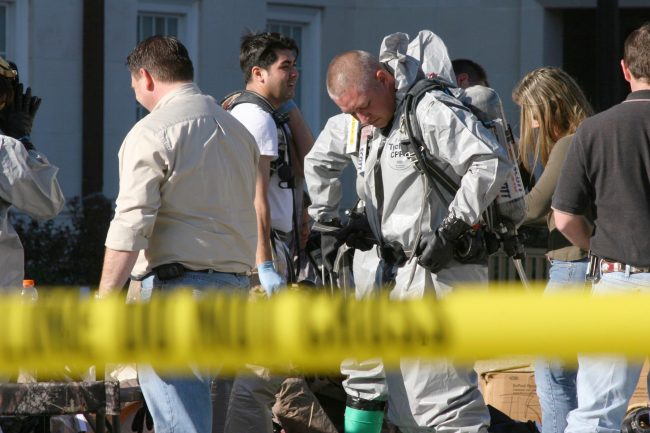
{"type": "Point", "coordinates": [379, 186]}
{"type": "Point", "coordinates": [282, 165]}
{"type": "Point", "coordinates": [287, 253]}
{"type": "Point", "coordinates": [425, 162]}
{"type": "Point", "coordinates": [250, 97]}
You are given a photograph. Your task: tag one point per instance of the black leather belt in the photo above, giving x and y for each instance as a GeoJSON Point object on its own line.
{"type": "Point", "coordinates": [212, 271]}
{"type": "Point", "coordinates": [170, 271]}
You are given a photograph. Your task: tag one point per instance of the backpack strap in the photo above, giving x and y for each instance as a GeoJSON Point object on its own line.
{"type": "Point", "coordinates": [282, 165]}
{"type": "Point", "coordinates": [250, 97]}
{"type": "Point", "coordinates": [424, 161]}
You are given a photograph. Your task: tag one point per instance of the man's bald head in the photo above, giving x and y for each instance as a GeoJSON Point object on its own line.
{"type": "Point", "coordinates": [360, 85]}
{"type": "Point", "coordinates": [352, 69]}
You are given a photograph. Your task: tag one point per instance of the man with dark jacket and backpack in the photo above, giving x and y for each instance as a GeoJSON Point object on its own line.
{"type": "Point", "coordinates": [414, 215]}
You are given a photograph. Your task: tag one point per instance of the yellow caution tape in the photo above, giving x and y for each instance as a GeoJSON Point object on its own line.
{"type": "Point", "coordinates": [314, 332]}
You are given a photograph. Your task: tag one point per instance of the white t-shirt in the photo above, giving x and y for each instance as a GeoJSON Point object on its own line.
{"type": "Point", "coordinates": [262, 126]}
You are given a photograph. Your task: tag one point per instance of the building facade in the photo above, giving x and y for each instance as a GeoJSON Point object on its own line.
{"type": "Point", "coordinates": [72, 53]}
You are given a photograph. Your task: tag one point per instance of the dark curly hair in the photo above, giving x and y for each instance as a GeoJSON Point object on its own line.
{"type": "Point", "coordinates": [259, 49]}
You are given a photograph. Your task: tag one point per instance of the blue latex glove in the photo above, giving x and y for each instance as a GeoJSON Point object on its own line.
{"type": "Point", "coordinates": [270, 280]}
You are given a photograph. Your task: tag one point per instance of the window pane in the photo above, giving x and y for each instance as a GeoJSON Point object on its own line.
{"type": "Point", "coordinates": [3, 31]}
{"type": "Point", "coordinates": [172, 26]}
{"type": "Point", "coordinates": [297, 36]}
{"type": "Point", "coordinates": [159, 28]}
{"type": "Point", "coordinates": [147, 28]}
{"type": "Point", "coordinates": [158, 24]}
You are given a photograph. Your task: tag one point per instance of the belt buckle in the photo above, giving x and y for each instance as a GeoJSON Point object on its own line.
{"type": "Point", "coordinates": [605, 267]}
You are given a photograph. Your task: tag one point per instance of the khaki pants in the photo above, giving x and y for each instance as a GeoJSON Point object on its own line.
{"type": "Point", "coordinates": [257, 396]}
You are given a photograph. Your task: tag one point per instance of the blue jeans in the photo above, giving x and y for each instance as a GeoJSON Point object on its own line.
{"type": "Point", "coordinates": [556, 384]}
{"type": "Point", "coordinates": [605, 384]}
{"type": "Point", "coordinates": [182, 404]}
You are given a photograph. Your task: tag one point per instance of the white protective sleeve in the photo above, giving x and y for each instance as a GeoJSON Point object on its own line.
{"type": "Point", "coordinates": [28, 182]}
{"type": "Point", "coordinates": [324, 165]}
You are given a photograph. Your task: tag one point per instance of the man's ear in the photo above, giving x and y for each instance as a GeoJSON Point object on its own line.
{"type": "Point", "coordinates": [258, 74]}
{"type": "Point", "coordinates": [626, 72]}
{"type": "Point", "coordinates": [149, 81]}
{"type": "Point", "coordinates": [384, 77]}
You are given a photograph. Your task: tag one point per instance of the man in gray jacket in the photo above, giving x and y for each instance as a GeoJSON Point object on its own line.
{"type": "Point", "coordinates": [407, 212]}
{"type": "Point", "coordinates": [27, 181]}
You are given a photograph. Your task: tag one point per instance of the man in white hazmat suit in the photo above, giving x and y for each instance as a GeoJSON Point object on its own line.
{"type": "Point", "coordinates": [27, 180]}
{"type": "Point", "coordinates": [342, 142]}
{"type": "Point", "coordinates": [406, 212]}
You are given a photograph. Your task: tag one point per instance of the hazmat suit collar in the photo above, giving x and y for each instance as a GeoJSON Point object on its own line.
{"type": "Point", "coordinates": [425, 56]}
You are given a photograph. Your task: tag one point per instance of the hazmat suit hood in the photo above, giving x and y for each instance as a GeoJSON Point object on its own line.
{"type": "Point", "coordinates": [425, 56]}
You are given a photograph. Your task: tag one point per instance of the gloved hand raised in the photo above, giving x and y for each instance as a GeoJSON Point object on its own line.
{"type": "Point", "coordinates": [16, 119]}
{"type": "Point", "coordinates": [436, 249]}
{"type": "Point", "coordinates": [356, 233]}
{"type": "Point", "coordinates": [270, 280]}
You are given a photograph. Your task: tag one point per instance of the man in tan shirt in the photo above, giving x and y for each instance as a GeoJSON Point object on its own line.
{"type": "Point", "coordinates": [187, 185]}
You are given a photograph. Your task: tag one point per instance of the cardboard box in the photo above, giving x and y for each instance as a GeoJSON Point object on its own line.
{"type": "Point", "coordinates": [512, 391]}
{"type": "Point", "coordinates": [640, 396]}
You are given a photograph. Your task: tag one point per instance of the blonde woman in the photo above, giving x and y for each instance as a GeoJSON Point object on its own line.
{"type": "Point", "coordinates": [552, 106]}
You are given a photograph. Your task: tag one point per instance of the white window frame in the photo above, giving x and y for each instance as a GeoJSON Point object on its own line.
{"type": "Point", "coordinates": [310, 20]}
{"type": "Point", "coordinates": [188, 26]}
{"type": "Point", "coordinates": [18, 36]}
